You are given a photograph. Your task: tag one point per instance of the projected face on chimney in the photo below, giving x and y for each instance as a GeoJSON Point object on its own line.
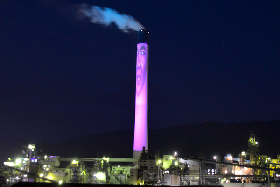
{"type": "Point", "coordinates": [141, 67]}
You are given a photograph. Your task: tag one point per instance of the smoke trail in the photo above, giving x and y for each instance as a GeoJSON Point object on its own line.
{"type": "Point", "coordinates": [108, 16]}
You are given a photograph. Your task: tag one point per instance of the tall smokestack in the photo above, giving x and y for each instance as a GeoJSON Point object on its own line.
{"type": "Point", "coordinates": [141, 94]}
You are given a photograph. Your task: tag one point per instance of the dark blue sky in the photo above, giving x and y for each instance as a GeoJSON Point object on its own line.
{"type": "Point", "coordinates": [64, 77]}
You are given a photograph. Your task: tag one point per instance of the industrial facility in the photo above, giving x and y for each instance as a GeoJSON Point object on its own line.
{"type": "Point", "coordinates": [247, 169]}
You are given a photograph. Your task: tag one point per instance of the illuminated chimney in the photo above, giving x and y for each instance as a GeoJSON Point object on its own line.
{"type": "Point", "coordinates": [141, 94]}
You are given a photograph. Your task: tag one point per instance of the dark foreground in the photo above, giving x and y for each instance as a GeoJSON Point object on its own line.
{"type": "Point", "coordinates": [39, 184]}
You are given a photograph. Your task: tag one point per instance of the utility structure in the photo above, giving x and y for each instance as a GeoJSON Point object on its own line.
{"type": "Point", "coordinates": [252, 148]}
{"type": "Point", "coordinates": [141, 94]}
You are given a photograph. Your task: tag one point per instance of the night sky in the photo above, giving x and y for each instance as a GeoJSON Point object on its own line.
{"type": "Point", "coordinates": [64, 77]}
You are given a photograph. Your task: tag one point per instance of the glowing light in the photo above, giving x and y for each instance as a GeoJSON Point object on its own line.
{"type": "Point", "coordinates": [60, 182]}
{"type": "Point", "coordinates": [243, 153]}
{"type": "Point", "coordinates": [175, 154]}
{"type": "Point", "coordinates": [215, 157]}
{"type": "Point", "coordinates": [238, 172]}
{"type": "Point", "coordinates": [74, 162]}
{"type": "Point", "coordinates": [107, 159]}
{"type": "Point", "coordinates": [18, 161]}
{"type": "Point", "coordinates": [31, 146]}
{"type": "Point", "coordinates": [176, 163]}
{"type": "Point", "coordinates": [159, 161]}
{"type": "Point", "coordinates": [9, 164]}
{"type": "Point", "coordinates": [229, 157]}
{"type": "Point", "coordinates": [41, 175]}
{"type": "Point", "coordinates": [100, 176]}
{"type": "Point", "coordinates": [33, 159]}
{"type": "Point", "coordinates": [141, 95]}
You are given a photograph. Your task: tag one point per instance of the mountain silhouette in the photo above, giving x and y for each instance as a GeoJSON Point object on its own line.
{"type": "Point", "coordinates": [209, 138]}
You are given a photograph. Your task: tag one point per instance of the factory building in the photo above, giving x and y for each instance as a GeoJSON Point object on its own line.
{"type": "Point", "coordinates": [148, 169]}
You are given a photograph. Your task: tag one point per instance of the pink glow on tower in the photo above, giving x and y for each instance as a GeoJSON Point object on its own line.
{"type": "Point", "coordinates": [141, 95]}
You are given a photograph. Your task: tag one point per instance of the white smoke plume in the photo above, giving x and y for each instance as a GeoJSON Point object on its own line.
{"type": "Point", "coordinates": [108, 16]}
